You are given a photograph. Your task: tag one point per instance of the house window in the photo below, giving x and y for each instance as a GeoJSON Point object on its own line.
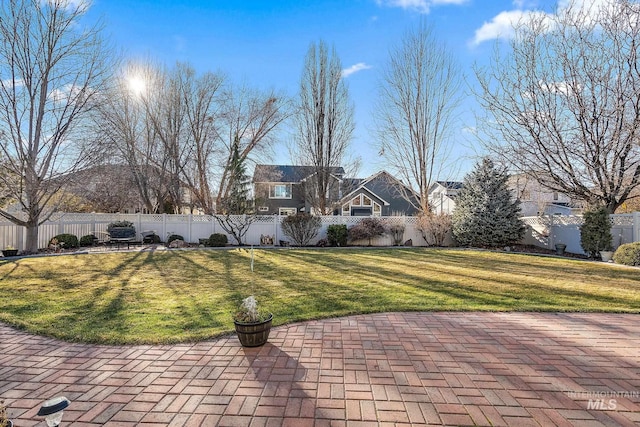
{"type": "Point", "coordinates": [377, 210]}
{"type": "Point", "coordinates": [346, 209]}
{"type": "Point", "coordinates": [555, 195]}
{"type": "Point", "coordinates": [287, 211]}
{"type": "Point", "coordinates": [263, 209]}
{"type": "Point", "coordinates": [280, 191]}
{"type": "Point", "coordinates": [366, 201]}
{"type": "Point", "coordinates": [355, 201]}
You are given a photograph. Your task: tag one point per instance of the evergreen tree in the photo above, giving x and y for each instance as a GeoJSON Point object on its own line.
{"type": "Point", "coordinates": [595, 232]}
{"type": "Point", "coordinates": [486, 214]}
{"type": "Point", "coordinates": [238, 201]}
{"type": "Point", "coordinates": [237, 212]}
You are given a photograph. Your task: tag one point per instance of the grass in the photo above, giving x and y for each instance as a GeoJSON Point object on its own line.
{"type": "Point", "coordinates": [179, 296]}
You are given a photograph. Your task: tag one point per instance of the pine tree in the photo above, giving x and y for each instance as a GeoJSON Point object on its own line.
{"type": "Point", "coordinates": [237, 212]}
{"type": "Point", "coordinates": [237, 201]}
{"type": "Point", "coordinates": [486, 214]}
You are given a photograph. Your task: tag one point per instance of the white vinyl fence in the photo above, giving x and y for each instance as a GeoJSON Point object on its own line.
{"type": "Point", "coordinates": [191, 227]}
{"type": "Point", "coordinates": [542, 231]}
{"type": "Point", "coordinates": [546, 231]}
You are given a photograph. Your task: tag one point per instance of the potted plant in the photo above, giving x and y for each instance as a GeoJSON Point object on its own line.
{"type": "Point", "coordinates": [560, 247]}
{"type": "Point", "coordinates": [7, 252]}
{"type": "Point", "coordinates": [4, 419]}
{"type": "Point", "coordinates": [606, 255]}
{"type": "Point", "coordinates": [252, 326]}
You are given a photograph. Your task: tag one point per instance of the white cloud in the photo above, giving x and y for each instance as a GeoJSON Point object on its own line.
{"type": "Point", "coordinates": [354, 69]}
{"type": "Point", "coordinates": [502, 25]}
{"type": "Point", "coordinates": [422, 6]}
{"type": "Point", "coordinates": [69, 4]}
{"type": "Point", "coordinates": [9, 83]}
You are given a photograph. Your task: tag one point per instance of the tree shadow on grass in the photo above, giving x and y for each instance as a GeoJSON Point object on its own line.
{"type": "Point", "coordinates": [462, 291]}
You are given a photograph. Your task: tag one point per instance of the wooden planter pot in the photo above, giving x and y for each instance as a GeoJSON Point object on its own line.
{"type": "Point", "coordinates": [253, 334]}
{"type": "Point", "coordinates": [9, 252]}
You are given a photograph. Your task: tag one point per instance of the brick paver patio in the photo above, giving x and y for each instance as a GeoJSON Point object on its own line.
{"type": "Point", "coordinates": [515, 369]}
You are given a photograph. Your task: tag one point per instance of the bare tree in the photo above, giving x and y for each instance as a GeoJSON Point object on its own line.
{"type": "Point", "coordinates": [176, 130]}
{"type": "Point", "coordinates": [166, 110]}
{"type": "Point", "coordinates": [126, 133]}
{"type": "Point", "coordinates": [419, 95]}
{"type": "Point", "coordinates": [202, 108]}
{"type": "Point", "coordinates": [52, 67]}
{"type": "Point", "coordinates": [563, 100]}
{"type": "Point", "coordinates": [248, 118]}
{"type": "Point", "coordinates": [324, 124]}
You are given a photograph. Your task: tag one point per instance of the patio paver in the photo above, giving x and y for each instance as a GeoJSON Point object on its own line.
{"type": "Point", "coordinates": [502, 369]}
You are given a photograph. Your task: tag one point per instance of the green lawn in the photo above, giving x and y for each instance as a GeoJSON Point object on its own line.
{"type": "Point", "coordinates": [173, 296]}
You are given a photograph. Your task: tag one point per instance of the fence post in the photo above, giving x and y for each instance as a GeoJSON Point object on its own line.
{"type": "Point", "coordinates": [275, 228]}
{"type": "Point", "coordinates": [21, 237]}
{"type": "Point", "coordinates": [635, 234]}
{"type": "Point", "coordinates": [164, 225]}
{"type": "Point", "coordinates": [190, 227]}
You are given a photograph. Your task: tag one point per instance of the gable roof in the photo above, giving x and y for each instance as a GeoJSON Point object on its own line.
{"type": "Point", "coordinates": [289, 173]}
{"type": "Point", "coordinates": [383, 185]}
{"type": "Point", "coordinates": [450, 185]}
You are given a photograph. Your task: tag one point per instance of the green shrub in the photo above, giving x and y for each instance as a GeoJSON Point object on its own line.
{"type": "Point", "coordinates": [595, 232]}
{"type": "Point", "coordinates": [301, 228]}
{"type": "Point", "coordinates": [628, 254]}
{"type": "Point", "coordinates": [174, 237]}
{"type": "Point", "coordinates": [119, 224]}
{"type": "Point", "coordinates": [67, 240]}
{"type": "Point", "coordinates": [217, 240]}
{"type": "Point", "coordinates": [87, 240]}
{"type": "Point", "coordinates": [337, 235]}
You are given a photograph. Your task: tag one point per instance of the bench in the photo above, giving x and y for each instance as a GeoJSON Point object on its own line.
{"type": "Point", "coordinates": [121, 235]}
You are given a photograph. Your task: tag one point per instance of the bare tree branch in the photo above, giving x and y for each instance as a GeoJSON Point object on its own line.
{"type": "Point", "coordinates": [51, 68]}
{"type": "Point", "coordinates": [419, 94]}
{"type": "Point", "coordinates": [563, 101]}
{"type": "Point", "coordinates": [324, 124]}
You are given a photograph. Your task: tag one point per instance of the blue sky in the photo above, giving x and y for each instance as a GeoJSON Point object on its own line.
{"type": "Point", "coordinates": [263, 44]}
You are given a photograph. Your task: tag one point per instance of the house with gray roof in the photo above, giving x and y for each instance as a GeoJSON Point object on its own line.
{"type": "Point", "coordinates": [285, 190]}
{"type": "Point", "coordinates": [381, 194]}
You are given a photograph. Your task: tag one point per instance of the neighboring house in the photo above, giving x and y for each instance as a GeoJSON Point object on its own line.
{"type": "Point", "coordinates": [381, 194]}
{"type": "Point", "coordinates": [285, 190]}
{"type": "Point", "coordinates": [442, 196]}
{"type": "Point", "coordinates": [536, 199]}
